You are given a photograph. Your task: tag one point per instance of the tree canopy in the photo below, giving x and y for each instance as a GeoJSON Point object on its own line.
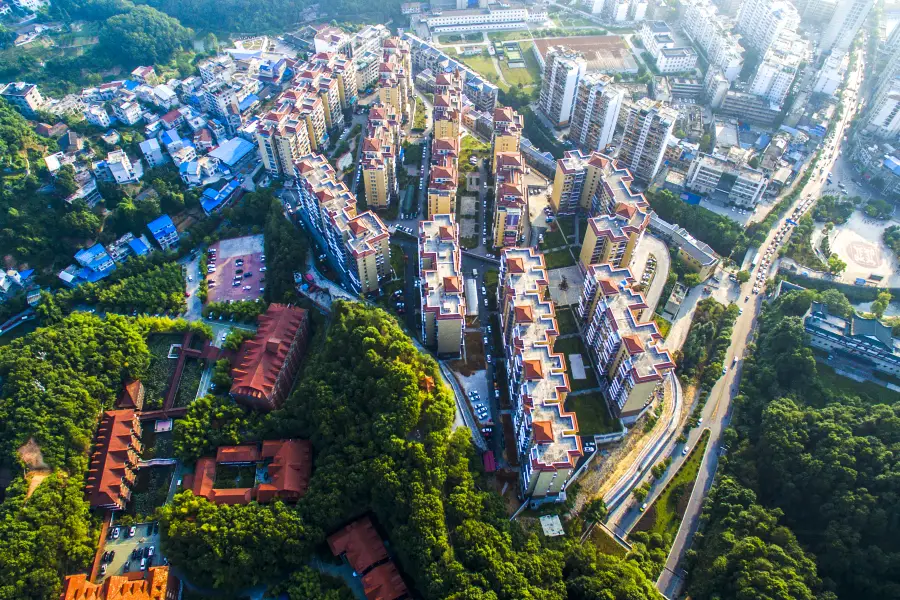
{"type": "Point", "coordinates": [805, 457]}
{"type": "Point", "coordinates": [144, 35]}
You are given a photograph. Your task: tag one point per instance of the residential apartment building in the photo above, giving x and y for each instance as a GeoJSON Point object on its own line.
{"type": "Point", "coordinates": [676, 60]}
{"type": "Point", "coordinates": [96, 115]}
{"type": "Point", "coordinates": [563, 68]}
{"type": "Point", "coordinates": [443, 289]}
{"type": "Point", "coordinates": [152, 153]}
{"type": "Point", "coordinates": [848, 17]}
{"type": "Point", "coordinates": [482, 93]}
{"type": "Point", "coordinates": [332, 40]}
{"type": "Point", "coordinates": [356, 245]}
{"type": "Point", "coordinates": [712, 34]}
{"type": "Point", "coordinates": [266, 365]}
{"type": "Point", "coordinates": [777, 70]}
{"type": "Point", "coordinates": [163, 231]}
{"type": "Point", "coordinates": [295, 127]}
{"type": "Point", "coordinates": [369, 39]}
{"type": "Point", "coordinates": [317, 77]}
{"type": "Point", "coordinates": [24, 96]}
{"type": "Point", "coordinates": [598, 102]}
{"type": "Point", "coordinates": [864, 341]}
{"type": "Point", "coordinates": [444, 176]}
{"type": "Point", "coordinates": [122, 169]}
{"type": "Point", "coordinates": [128, 113]}
{"type": "Point", "coordinates": [655, 36]}
{"type": "Point", "coordinates": [546, 435]}
{"type": "Point", "coordinates": [447, 114]}
{"type": "Point", "coordinates": [220, 67]}
{"type": "Point", "coordinates": [648, 125]}
{"type": "Point", "coordinates": [113, 467]}
{"type": "Point", "coordinates": [507, 132]}
{"type": "Point", "coordinates": [510, 200]}
{"type": "Point", "coordinates": [831, 75]}
{"type": "Point", "coordinates": [378, 156]}
{"type": "Point", "coordinates": [726, 181]}
{"type": "Point", "coordinates": [627, 350]}
{"type": "Point", "coordinates": [883, 119]}
{"type": "Point", "coordinates": [761, 22]}
{"type": "Point", "coordinates": [395, 84]}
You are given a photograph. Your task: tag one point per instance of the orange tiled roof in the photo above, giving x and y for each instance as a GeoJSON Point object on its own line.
{"type": "Point", "coordinates": [516, 265]}
{"type": "Point", "coordinates": [116, 453]}
{"type": "Point", "coordinates": [243, 453]}
{"type": "Point", "coordinates": [534, 369]}
{"type": "Point", "coordinates": [153, 584]}
{"type": "Point", "coordinates": [131, 395]}
{"type": "Point", "coordinates": [632, 344]}
{"type": "Point", "coordinates": [289, 471]}
{"type": "Point", "coordinates": [543, 432]}
{"type": "Point", "coordinates": [524, 314]}
{"type": "Point", "coordinates": [384, 583]}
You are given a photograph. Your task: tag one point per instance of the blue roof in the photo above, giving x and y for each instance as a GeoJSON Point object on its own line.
{"type": "Point", "coordinates": [213, 198]}
{"type": "Point", "coordinates": [96, 263]}
{"type": "Point", "coordinates": [26, 274]}
{"type": "Point", "coordinates": [130, 85]}
{"type": "Point", "coordinates": [161, 226]}
{"type": "Point", "coordinates": [138, 247]}
{"type": "Point", "coordinates": [232, 151]}
{"type": "Point", "coordinates": [247, 102]}
{"type": "Point", "coordinates": [892, 165]}
{"type": "Point", "coordinates": [169, 137]}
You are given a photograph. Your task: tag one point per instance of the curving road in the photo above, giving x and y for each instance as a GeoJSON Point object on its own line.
{"type": "Point", "coordinates": [717, 412]}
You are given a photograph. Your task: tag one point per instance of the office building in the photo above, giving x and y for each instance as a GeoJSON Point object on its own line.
{"type": "Point", "coordinates": [598, 102]}
{"type": "Point", "coordinates": [24, 96]}
{"type": "Point", "coordinates": [507, 132]}
{"type": "Point", "coordinates": [726, 181]}
{"type": "Point", "coordinates": [864, 341]}
{"type": "Point", "coordinates": [356, 245]}
{"type": "Point", "coordinates": [648, 125]}
{"type": "Point", "coordinates": [493, 17]}
{"type": "Point", "coordinates": [713, 34]}
{"type": "Point", "coordinates": [761, 22]}
{"type": "Point", "coordinates": [659, 41]}
{"type": "Point", "coordinates": [546, 435]}
{"type": "Point", "coordinates": [750, 108]}
{"type": "Point", "coordinates": [510, 200]}
{"type": "Point", "coordinates": [267, 364]}
{"type": "Point", "coordinates": [378, 156]}
{"type": "Point", "coordinates": [442, 288]}
{"type": "Point", "coordinates": [627, 350]}
{"type": "Point", "coordinates": [562, 70]}
{"type": "Point", "coordinates": [817, 11]}
{"type": "Point", "coordinates": [848, 17]}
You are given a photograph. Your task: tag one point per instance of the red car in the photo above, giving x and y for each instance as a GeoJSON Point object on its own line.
{"type": "Point", "coordinates": [187, 294]}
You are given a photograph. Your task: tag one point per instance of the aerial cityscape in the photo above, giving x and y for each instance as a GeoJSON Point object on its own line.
{"type": "Point", "coordinates": [456, 300]}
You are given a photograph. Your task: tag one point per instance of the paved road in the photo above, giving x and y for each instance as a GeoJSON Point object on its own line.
{"type": "Point", "coordinates": [717, 412]}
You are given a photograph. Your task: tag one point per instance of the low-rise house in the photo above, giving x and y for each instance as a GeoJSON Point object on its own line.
{"type": "Point", "coordinates": [152, 153]}
{"type": "Point", "coordinates": [360, 545]}
{"type": "Point", "coordinates": [163, 231]}
{"type": "Point", "coordinates": [164, 97]}
{"type": "Point", "coordinates": [213, 200]}
{"type": "Point", "coordinates": [26, 97]}
{"type": "Point", "coordinates": [93, 264]}
{"type": "Point", "coordinates": [145, 75]}
{"type": "Point", "coordinates": [122, 169]}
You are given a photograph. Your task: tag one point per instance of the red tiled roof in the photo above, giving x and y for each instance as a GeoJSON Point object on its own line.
{"type": "Point", "coordinates": [446, 233]}
{"type": "Point", "coordinates": [154, 584]}
{"type": "Point", "coordinates": [204, 477]}
{"type": "Point", "coordinates": [115, 446]}
{"type": "Point", "coordinates": [262, 358]}
{"type": "Point", "coordinates": [516, 265]}
{"type": "Point", "coordinates": [132, 395]}
{"type": "Point", "coordinates": [451, 284]}
{"type": "Point", "coordinates": [171, 116]}
{"type": "Point", "coordinates": [524, 314]}
{"type": "Point", "coordinates": [542, 431]}
{"type": "Point", "coordinates": [608, 287]}
{"type": "Point", "coordinates": [598, 161]}
{"type": "Point", "coordinates": [626, 210]}
{"type": "Point", "coordinates": [384, 583]}
{"type": "Point", "coordinates": [237, 454]}
{"type": "Point", "coordinates": [534, 369]}
{"type": "Point", "coordinates": [632, 344]}
{"type": "Point", "coordinates": [360, 543]}
{"type": "Point", "coordinates": [289, 471]}
{"type": "Point", "coordinates": [232, 496]}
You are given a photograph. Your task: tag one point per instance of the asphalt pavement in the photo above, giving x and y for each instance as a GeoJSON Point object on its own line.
{"type": "Point", "coordinates": [717, 411]}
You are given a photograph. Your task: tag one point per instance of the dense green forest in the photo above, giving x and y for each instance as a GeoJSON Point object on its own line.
{"type": "Point", "coordinates": [806, 505]}
{"type": "Point", "coordinates": [55, 381]}
{"type": "Point", "coordinates": [380, 422]}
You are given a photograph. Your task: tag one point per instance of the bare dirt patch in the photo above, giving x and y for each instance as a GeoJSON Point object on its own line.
{"type": "Point", "coordinates": [30, 454]}
{"type": "Point", "coordinates": [474, 358]}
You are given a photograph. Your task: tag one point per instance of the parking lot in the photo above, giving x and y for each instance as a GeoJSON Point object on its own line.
{"type": "Point", "coordinates": [239, 269]}
{"type": "Point", "coordinates": [125, 545]}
